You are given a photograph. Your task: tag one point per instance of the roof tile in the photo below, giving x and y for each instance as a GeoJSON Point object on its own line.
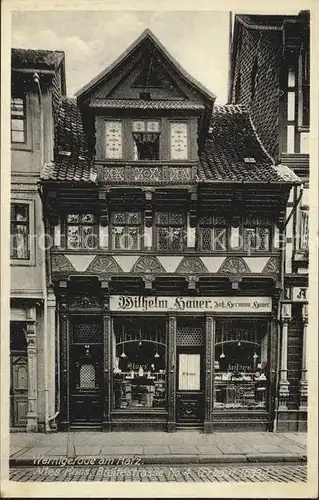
{"type": "Point", "coordinates": [232, 138]}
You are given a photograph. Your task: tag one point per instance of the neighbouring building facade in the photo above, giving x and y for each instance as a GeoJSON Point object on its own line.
{"type": "Point", "coordinates": [37, 82]}
{"type": "Point", "coordinates": [167, 216]}
{"type": "Point", "coordinates": [270, 75]}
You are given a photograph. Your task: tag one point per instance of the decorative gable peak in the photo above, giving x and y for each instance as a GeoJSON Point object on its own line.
{"type": "Point", "coordinates": [144, 66]}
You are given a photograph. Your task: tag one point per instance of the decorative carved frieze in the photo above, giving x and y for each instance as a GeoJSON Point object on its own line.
{"type": "Point", "coordinates": [61, 264]}
{"type": "Point", "coordinates": [104, 264]}
{"type": "Point", "coordinates": [272, 266]}
{"type": "Point", "coordinates": [191, 265]}
{"type": "Point", "coordinates": [234, 265]}
{"type": "Point", "coordinates": [161, 174]}
{"type": "Point", "coordinates": [84, 302]}
{"type": "Point", "coordinates": [148, 264]}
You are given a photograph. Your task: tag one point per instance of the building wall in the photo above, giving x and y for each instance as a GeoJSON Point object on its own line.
{"type": "Point", "coordinates": [258, 58]}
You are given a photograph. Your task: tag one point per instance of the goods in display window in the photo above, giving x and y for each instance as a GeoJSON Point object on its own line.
{"type": "Point", "coordinates": [241, 368]}
{"type": "Point", "coordinates": [139, 366]}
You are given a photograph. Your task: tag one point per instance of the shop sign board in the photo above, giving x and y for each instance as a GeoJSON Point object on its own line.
{"type": "Point", "coordinates": [139, 303]}
{"type": "Point", "coordinates": [300, 294]}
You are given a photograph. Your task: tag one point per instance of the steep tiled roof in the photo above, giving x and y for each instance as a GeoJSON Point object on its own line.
{"type": "Point", "coordinates": [37, 59]}
{"type": "Point", "coordinates": [72, 161]}
{"type": "Point", "coordinates": [233, 152]}
{"type": "Point", "coordinates": [141, 104]}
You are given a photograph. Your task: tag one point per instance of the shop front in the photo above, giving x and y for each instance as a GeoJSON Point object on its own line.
{"type": "Point", "coordinates": [167, 363]}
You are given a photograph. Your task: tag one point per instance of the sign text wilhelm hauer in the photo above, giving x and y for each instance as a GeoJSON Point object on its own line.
{"type": "Point", "coordinates": [137, 303]}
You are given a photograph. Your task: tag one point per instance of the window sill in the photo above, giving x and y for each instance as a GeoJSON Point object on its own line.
{"type": "Point", "coordinates": [15, 146]}
{"type": "Point", "coordinates": [22, 263]}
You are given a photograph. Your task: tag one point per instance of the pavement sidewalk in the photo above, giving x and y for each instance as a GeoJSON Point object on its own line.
{"type": "Point", "coordinates": [139, 448]}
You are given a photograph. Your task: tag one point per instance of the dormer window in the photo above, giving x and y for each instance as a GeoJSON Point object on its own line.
{"type": "Point", "coordinates": [146, 140]}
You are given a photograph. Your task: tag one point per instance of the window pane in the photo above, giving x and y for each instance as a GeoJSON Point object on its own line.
{"type": "Point", "coordinates": [250, 239]}
{"type": "Point", "coordinates": [19, 242]}
{"type": "Point", "coordinates": [220, 238]}
{"type": "Point", "coordinates": [162, 218]}
{"type": "Point", "coordinates": [132, 238]}
{"type": "Point", "coordinates": [147, 146]}
{"type": "Point", "coordinates": [118, 233]}
{"type": "Point", "coordinates": [262, 238]}
{"type": "Point", "coordinates": [87, 218]}
{"type": "Point", "coordinates": [177, 219]}
{"type": "Point", "coordinates": [134, 218]}
{"type": "Point", "coordinates": [73, 237]}
{"type": "Point", "coordinates": [139, 126]}
{"type": "Point", "coordinates": [162, 238]}
{"type": "Point", "coordinates": [17, 136]}
{"type": "Point", "coordinates": [113, 135]}
{"type": "Point", "coordinates": [290, 139]}
{"type": "Point", "coordinates": [17, 106]}
{"type": "Point", "coordinates": [176, 238]}
{"type": "Point", "coordinates": [87, 237]}
{"type": "Point", "coordinates": [179, 141]}
{"type": "Point", "coordinates": [206, 238]}
{"type": "Point", "coordinates": [153, 126]}
{"type": "Point", "coordinates": [291, 77]}
{"type": "Point", "coordinates": [118, 218]}
{"type": "Point", "coordinates": [189, 372]}
{"type": "Point", "coordinates": [17, 125]}
{"type": "Point", "coordinates": [291, 106]}
{"type": "Point", "coordinates": [20, 212]}
{"type": "Point", "coordinates": [73, 218]}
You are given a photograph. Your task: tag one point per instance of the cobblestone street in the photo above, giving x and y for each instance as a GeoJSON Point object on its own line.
{"type": "Point", "coordinates": [246, 474]}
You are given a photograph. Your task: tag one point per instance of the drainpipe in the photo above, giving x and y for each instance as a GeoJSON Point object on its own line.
{"type": "Point", "coordinates": [36, 79]}
{"type": "Point", "coordinates": [282, 285]}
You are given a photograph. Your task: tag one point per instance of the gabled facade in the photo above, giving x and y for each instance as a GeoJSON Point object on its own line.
{"type": "Point", "coordinates": [37, 83]}
{"type": "Point", "coordinates": [166, 214]}
{"type": "Point", "coordinates": [270, 74]}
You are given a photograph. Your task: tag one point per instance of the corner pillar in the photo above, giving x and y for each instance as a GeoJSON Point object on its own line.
{"type": "Point", "coordinates": [283, 381]}
{"type": "Point", "coordinates": [32, 415]}
{"type": "Point", "coordinates": [304, 374]}
{"type": "Point", "coordinates": [209, 342]}
{"type": "Point", "coordinates": [171, 370]}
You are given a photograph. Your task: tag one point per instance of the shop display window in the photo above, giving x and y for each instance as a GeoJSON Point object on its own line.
{"type": "Point", "coordinates": [241, 364]}
{"type": "Point", "coordinates": [139, 363]}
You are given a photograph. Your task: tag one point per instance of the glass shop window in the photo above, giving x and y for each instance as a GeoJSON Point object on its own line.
{"type": "Point", "coordinates": [170, 231]}
{"type": "Point", "coordinates": [146, 140]}
{"type": "Point", "coordinates": [81, 231]}
{"type": "Point", "coordinates": [139, 363]}
{"type": "Point", "coordinates": [126, 230]}
{"type": "Point", "coordinates": [241, 364]}
{"type": "Point", "coordinates": [213, 233]}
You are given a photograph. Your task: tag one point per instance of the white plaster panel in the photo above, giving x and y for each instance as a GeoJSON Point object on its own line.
{"type": "Point", "coordinates": [80, 262]}
{"type": "Point", "coordinates": [256, 264]}
{"type": "Point", "coordinates": [126, 262]}
{"type": "Point", "coordinates": [213, 263]}
{"type": "Point", "coordinates": [170, 262]}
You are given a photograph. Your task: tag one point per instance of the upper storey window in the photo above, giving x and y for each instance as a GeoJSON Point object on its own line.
{"type": "Point", "coordinates": [18, 120]}
{"type": "Point", "coordinates": [146, 140]}
{"type": "Point", "coordinates": [303, 87]}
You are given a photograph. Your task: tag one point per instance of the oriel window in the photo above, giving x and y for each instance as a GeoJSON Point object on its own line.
{"type": "Point", "coordinates": [81, 231]}
{"type": "Point", "coordinates": [20, 231]}
{"type": "Point", "coordinates": [18, 119]}
{"type": "Point", "coordinates": [126, 230]}
{"type": "Point", "coordinates": [170, 231]}
{"type": "Point", "coordinates": [146, 140]}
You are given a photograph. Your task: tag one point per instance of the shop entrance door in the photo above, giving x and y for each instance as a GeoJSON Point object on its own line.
{"type": "Point", "coordinates": [86, 372]}
{"type": "Point", "coordinates": [190, 386]}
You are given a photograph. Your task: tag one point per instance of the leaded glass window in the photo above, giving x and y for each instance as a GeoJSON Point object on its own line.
{"type": "Point", "coordinates": [126, 230]}
{"type": "Point", "coordinates": [257, 238]}
{"type": "Point", "coordinates": [213, 233]}
{"type": "Point", "coordinates": [80, 231]}
{"type": "Point", "coordinates": [170, 231]}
